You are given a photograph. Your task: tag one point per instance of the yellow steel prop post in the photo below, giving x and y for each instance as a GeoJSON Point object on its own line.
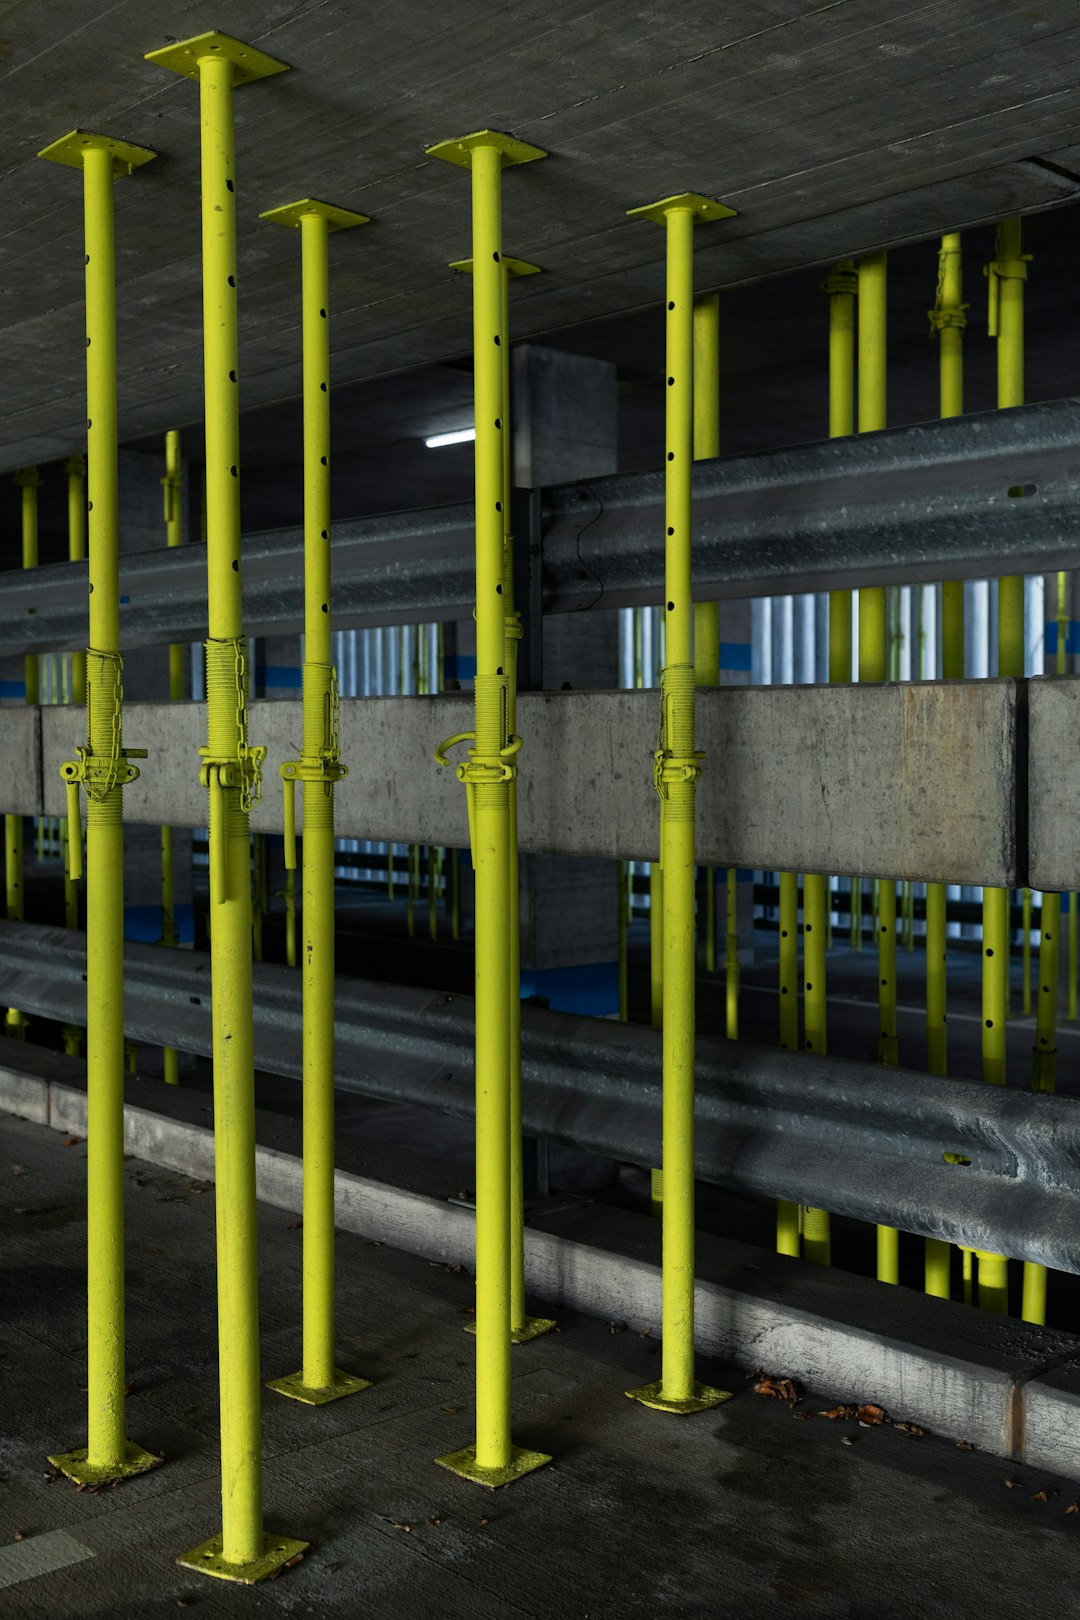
{"type": "Point", "coordinates": [787, 1212]}
{"type": "Point", "coordinates": [102, 767]}
{"type": "Point", "coordinates": [523, 1327]}
{"type": "Point", "coordinates": [231, 771]}
{"type": "Point", "coordinates": [676, 770]}
{"type": "Point", "coordinates": [872, 667]}
{"type": "Point", "coordinates": [75, 471]}
{"type": "Point", "coordinates": [1006, 276]}
{"type": "Point", "coordinates": [948, 318]}
{"type": "Point", "coordinates": [494, 1459]}
{"type": "Point", "coordinates": [172, 489]}
{"type": "Point", "coordinates": [318, 768]}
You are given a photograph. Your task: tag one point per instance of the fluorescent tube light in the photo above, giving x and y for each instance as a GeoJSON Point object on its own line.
{"type": "Point", "coordinates": [461, 436]}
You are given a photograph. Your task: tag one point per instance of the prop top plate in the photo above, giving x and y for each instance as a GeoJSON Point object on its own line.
{"type": "Point", "coordinates": [460, 151]}
{"type": "Point", "coordinates": [514, 267]}
{"type": "Point", "coordinates": [248, 63]}
{"type": "Point", "coordinates": [703, 208]}
{"type": "Point", "coordinates": [338, 219]}
{"type": "Point", "coordinates": [70, 149]}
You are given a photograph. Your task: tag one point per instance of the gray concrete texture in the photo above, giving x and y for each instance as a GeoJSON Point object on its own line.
{"type": "Point", "coordinates": [915, 781]}
{"type": "Point", "coordinates": [739, 1512]}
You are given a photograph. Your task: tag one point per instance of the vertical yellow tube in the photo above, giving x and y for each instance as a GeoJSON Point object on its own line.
{"type": "Point", "coordinates": [231, 771]}
{"type": "Point", "coordinates": [318, 769]}
{"type": "Point", "coordinates": [675, 774]}
{"type": "Point", "coordinates": [787, 1212]}
{"type": "Point", "coordinates": [494, 1459]}
{"type": "Point", "coordinates": [102, 767]}
{"type": "Point", "coordinates": [1006, 277]}
{"type": "Point", "coordinates": [75, 472]}
{"type": "Point", "coordinates": [523, 1327]}
{"type": "Point", "coordinates": [948, 319]}
{"type": "Point", "coordinates": [872, 667]}
{"type": "Point", "coordinates": [172, 488]}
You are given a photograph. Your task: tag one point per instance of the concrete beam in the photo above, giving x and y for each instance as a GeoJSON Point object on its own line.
{"type": "Point", "coordinates": [1053, 793]}
{"type": "Point", "coordinates": [915, 781]}
{"type": "Point", "coordinates": [20, 751]}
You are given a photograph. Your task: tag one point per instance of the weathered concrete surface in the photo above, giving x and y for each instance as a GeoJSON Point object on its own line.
{"type": "Point", "coordinates": [740, 1512]}
{"type": "Point", "coordinates": [1053, 782]}
{"type": "Point", "coordinates": [956, 1371]}
{"type": "Point", "coordinates": [1052, 1419]}
{"type": "Point", "coordinates": [20, 759]}
{"type": "Point", "coordinates": [914, 781]}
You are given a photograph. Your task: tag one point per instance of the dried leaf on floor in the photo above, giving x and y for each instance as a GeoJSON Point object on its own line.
{"type": "Point", "coordinates": [453, 1410]}
{"type": "Point", "coordinates": [482, 1520]}
{"type": "Point", "coordinates": [869, 1416]}
{"type": "Point", "coordinates": [778, 1389]}
{"type": "Point", "coordinates": [836, 1413]}
{"type": "Point", "coordinates": [964, 1445]}
{"type": "Point", "coordinates": [18, 1535]}
{"type": "Point", "coordinates": [405, 1527]}
{"type": "Point", "coordinates": [1040, 1496]}
{"type": "Point", "coordinates": [72, 1141]}
{"type": "Point", "coordinates": [616, 1327]}
{"type": "Point", "coordinates": [801, 1415]}
{"type": "Point", "coordinates": [847, 1440]}
{"type": "Point", "coordinates": [294, 1226]}
{"type": "Point", "coordinates": [1072, 1508]}
{"type": "Point", "coordinates": [1011, 1484]}
{"type": "Point", "coordinates": [911, 1428]}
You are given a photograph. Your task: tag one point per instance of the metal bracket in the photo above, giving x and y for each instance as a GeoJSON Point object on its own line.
{"type": "Point", "coordinates": [136, 1460]}
{"type": "Point", "coordinates": [248, 63]}
{"type": "Point", "coordinates": [322, 769]}
{"type": "Point", "coordinates": [513, 267]}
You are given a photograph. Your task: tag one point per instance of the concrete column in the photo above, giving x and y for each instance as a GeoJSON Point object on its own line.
{"type": "Point", "coordinates": [564, 415]}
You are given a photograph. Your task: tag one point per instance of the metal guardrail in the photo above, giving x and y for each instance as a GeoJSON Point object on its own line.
{"type": "Point", "coordinates": [861, 1140]}
{"type": "Point", "coordinates": [965, 498]}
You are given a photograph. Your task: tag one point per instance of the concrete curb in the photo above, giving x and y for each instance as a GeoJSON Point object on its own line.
{"type": "Point", "coordinates": [1005, 1386]}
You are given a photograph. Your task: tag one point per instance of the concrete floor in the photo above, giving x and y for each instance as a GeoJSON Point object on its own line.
{"type": "Point", "coordinates": [740, 1512]}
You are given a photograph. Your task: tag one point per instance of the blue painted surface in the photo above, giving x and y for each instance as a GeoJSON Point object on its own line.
{"type": "Point", "coordinates": [12, 689]}
{"type": "Point", "coordinates": [144, 924]}
{"type": "Point", "coordinates": [1072, 638]}
{"type": "Point", "coordinates": [282, 675]}
{"type": "Point", "coordinates": [459, 667]}
{"type": "Point", "coordinates": [593, 990]}
{"type": "Point", "coordinates": [735, 655]}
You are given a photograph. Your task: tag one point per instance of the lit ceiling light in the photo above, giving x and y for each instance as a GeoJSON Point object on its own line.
{"type": "Point", "coordinates": [461, 436]}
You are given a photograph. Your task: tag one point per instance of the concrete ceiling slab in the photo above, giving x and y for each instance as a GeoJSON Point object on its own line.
{"type": "Point", "coordinates": [831, 129]}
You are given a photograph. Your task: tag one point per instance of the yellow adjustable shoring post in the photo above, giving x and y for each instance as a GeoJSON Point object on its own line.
{"type": "Point", "coordinates": [231, 771]}
{"type": "Point", "coordinates": [675, 774]}
{"type": "Point", "coordinates": [948, 318]}
{"type": "Point", "coordinates": [523, 1327]}
{"type": "Point", "coordinates": [841, 288]}
{"type": "Point", "coordinates": [172, 490]}
{"type": "Point", "coordinates": [872, 667]}
{"type": "Point", "coordinates": [488, 775]}
{"type": "Point", "coordinates": [75, 472]}
{"type": "Point", "coordinates": [1007, 274]}
{"type": "Point", "coordinates": [318, 768]}
{"type": "Point", "coordinates": [102, 767]}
